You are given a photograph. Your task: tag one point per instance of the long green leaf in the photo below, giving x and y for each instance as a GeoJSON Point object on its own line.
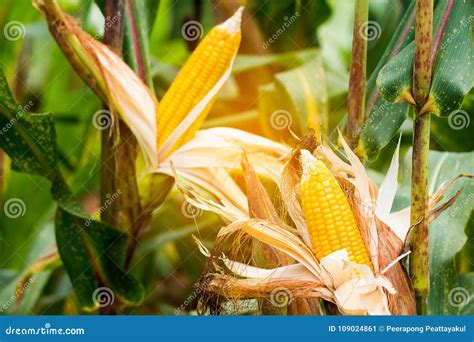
{"type": "Point", "coordinates": [92, 251]}
{"type": "Point", "coordinates": [447, 232]}
{"type": "Point", "coordinates": [452, 70]}
{"type": "Point", "coordinates": [384, 118]}
{"type": "Point", "coordinates": [30, 139]}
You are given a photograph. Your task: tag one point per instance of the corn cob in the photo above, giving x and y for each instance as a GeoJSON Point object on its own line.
{"type": "Point", "coordinates": [329, 219]}
{"type": "Point", "coordinates": [205, 67]}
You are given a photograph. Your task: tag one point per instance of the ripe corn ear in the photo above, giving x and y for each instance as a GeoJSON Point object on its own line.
{"type": "Point", "coordinates": [202, 73]}
{"type": "Point", "coordinates": [329, 218]}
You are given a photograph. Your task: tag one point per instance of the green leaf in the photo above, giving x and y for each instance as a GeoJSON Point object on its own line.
{"type": "Point", "coordinates": [93, 253]}
{"type": "Point", "coordinates": [459, 123]}
{"type": "Point", "coordinates": [384, 118]}
{"type": "Point", "coordinates": [137, 27]}
{"type": "Point", "coordinates": [293, 25]}
{"type": "Point", "coordinates": [295, 101]}
{"type": "Point", "coordinates": [452, 70]}
{"type": "Point", "coordinates": [447, 232]}
{"type": "Point", "coordinates": [285, 60]}
{"type": "Point", "coordinates": [29, 221]}
{"type": "Point", "coordinates": [29, 139]}
{"type": "Point", "coordinates": [462, 296]}
{"type": "Point", "coordinates": [395, 79]}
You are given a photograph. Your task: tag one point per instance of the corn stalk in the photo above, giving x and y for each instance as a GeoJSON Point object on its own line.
{"type": "Point", "coordinates": [113, 38]}
{"type": "Point", "coordinates": [356, 96]}
{"type": "Point", "coordinates": [419, 261]}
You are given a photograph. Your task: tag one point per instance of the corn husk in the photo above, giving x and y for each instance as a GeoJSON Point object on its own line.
{"type": "Point", "coordinates": [353, 288]}
{"type": "Point", "coordinates": [108, 75]}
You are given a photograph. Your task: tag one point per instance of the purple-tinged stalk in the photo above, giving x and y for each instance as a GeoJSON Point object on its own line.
{"type": "Point", "coordinates": [419, 243]}
{"type": "Point", "coordinates": [356, 96]}
{"type": "Point", "coordinates": [113, 38]}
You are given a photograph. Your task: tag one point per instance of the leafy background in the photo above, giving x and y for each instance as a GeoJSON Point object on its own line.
{"type": "Point", "coordinates": [269, 77]}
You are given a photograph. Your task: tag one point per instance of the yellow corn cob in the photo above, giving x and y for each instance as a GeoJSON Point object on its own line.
{"type": "Point", "coordinates": [329, 218]}
{"type": "Point", "coordinates": [207, 64]}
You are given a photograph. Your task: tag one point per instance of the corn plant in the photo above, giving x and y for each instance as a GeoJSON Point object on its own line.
{"type": "Point", "coordinates": [197, 157]}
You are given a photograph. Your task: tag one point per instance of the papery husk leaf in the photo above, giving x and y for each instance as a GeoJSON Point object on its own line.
{"type": "Point", "coordinates": [403, 302]}
{"type": "Point", "coordinates": [289, 189]}
{"type": "Point", "coordinates": [388, 188]}
{"type": "Point", "coordinates": [129, 97]}
{"type": "Point", "coordinates": [219, 183]}
{"type": "Point", "coordinates": [399, 222]}
{"type": "Point", "coordinates": [439, 195]}
{"type": "Point", "coordinates": [295, 271]}
{"type": "Point", "coordinates": [108, 75]}
{"type": "Point", "coordinates": [226, 211]}
{"type": "Point", "coordinates": [208, 158]}
{"type": "Point", "coordinates": [277, 237]}
{"type": "Point", "coordinates": [260, 204]}
{"type": "Point", "coordinates": [222, 147]}
{"type": "Point", "coordinates": [261, 207]}
{"type": "Point", "coordinates": [231, 287]}
{"type": "Point", "coordinates": [337, 166]}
